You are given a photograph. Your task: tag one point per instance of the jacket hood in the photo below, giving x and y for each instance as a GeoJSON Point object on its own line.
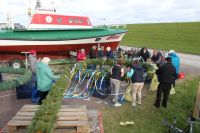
{"type": "Point", "coordinates": [173, 54]}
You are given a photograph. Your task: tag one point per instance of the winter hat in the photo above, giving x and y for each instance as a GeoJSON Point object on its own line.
{"type": "Point", "coordinates": [108, 49]}
{"type": "Point", "coordinates": [46, 60]}
{"type": "Point", "coordinates": [32, 52]}
{"type": "Point", "coordinates": [171, 51]}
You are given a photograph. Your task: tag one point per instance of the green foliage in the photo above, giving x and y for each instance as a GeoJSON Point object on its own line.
{"type": "Point", "coordinates": [10, 84]}
{"type": "Point", "coordinates": [148, 119]}
{"type": "Point", "coordinates": [45, 117]}
{"type": "Point", "coordinates": [182, 37]}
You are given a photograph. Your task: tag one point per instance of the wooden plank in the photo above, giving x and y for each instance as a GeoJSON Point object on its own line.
{"type": "Point", "coordinates": [28, 106]}
{"type": "Point", "coordinates": [25, 114]}
{"type": "Point", "coordinates": [196, 112]}
{"type": "Point", "coordinates": [70, 118]}
{"type": "Point", "coordinates": [71, 110]}
{"type": "Point", "coordinates": [71, 114]}
{"type": "Point", "coordinates": [22, 118]}
{"type": "Point", "coordinates": [61, 124]}
{"type": "Point", "coordinates": [18, 123]}
{"type": "Point", "coordinates": [74, 106]}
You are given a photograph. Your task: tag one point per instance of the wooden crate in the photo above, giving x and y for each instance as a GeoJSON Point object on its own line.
{"type": "Point", "coordinates": [71, 118]}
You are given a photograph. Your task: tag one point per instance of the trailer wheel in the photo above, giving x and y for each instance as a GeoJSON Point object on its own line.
{"type": "Point", "coordinates": [17, 63]}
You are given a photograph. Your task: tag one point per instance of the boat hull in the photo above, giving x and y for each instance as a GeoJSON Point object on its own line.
{"type": "Point", "coordinates": [11, 48]}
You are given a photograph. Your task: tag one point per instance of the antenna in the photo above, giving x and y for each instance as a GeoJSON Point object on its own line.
{"type": "Point", "coordinates": [38, 4]}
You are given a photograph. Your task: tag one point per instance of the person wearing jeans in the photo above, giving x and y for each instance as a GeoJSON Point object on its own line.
{"type": "Point", "coordinates": [138, 82]}
{"type": "Point", "coordinates": [116, 73]}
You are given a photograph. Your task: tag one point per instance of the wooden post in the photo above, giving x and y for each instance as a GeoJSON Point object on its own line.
{"type": "Point", "coordinates": [196, 113]}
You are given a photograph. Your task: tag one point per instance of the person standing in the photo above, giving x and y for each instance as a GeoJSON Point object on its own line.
{"type": "Point", "coordinates": [101, 52]}
{"type": "Point", "coordinates": [117, 72]}
{"type": "Point", "coordinates": [93, 52]}
{"type": "Point", "coordinates": [33, 61]}
{"type": "Point", "coordinates": [175, 61]}
{"type": "Point", "coordinates": [109, 53]}
{"type": "Point", "coordinates": [157, 58]}
{"type": "Point", "coordinates": [145, 54]}
{"type": "Point", "coordinates": [138, 83]}
{"type": "Point", "coordinates": [33, 65]}
{"type": "Point", "coordinates": [166, 76]}
{"type": "Point", "coordinates": [44, 78]}
{"type": "Point", "coordinates": [81, 56]}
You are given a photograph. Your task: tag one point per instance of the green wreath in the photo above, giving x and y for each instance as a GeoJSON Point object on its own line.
{"type": "Point", "coordinates": [25, 76]}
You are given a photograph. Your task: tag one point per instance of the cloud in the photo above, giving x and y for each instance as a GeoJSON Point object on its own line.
{"type": "Point", "coordinates": [111, 11]}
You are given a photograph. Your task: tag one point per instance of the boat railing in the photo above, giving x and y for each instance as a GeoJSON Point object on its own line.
{"type": "Point", "coordinates": [113, 26]}
{"type": "Point", "coordinates": [117, 26]}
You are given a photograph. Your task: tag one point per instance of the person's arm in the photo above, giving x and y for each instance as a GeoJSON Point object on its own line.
{"type": "Point", "coordinates": [122, 72]}
{"type": "Point", "coordinates": [51, 75]}
{"type": "Point", "coordinates": [130, 73]}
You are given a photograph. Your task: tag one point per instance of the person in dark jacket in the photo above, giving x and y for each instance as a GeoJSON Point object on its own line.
{"type": "Point", "coordinates": [138, 82]}
{"type": "Point", "coordinates": [117, 72]}
{"type": "Point", "coordinates": [101, 52]}
{"type": "Point", "coordinates": [145, 54]}
{"type": "Point", "coordinates": [109, 53]}
{"type": "Point", "coordinates": [93, 52]}
{"type": "Point", "coordinates": [166, 76]}
{"type": "Point", "coordinates": [157, 58]}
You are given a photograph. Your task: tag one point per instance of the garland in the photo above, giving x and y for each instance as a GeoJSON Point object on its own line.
{"type": "Point", "coordinates": [10, 84]}
{"type": "Point", "coordinates": [45, 117]}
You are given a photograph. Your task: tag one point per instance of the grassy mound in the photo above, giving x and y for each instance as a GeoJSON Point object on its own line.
{"type": "Point", "coordinates": [182, 37]}
{"type": "Point", "coordinates": [149, 119]}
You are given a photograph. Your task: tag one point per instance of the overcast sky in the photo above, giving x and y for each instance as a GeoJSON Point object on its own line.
{"type": "Point", "coordinates": [110, 11]}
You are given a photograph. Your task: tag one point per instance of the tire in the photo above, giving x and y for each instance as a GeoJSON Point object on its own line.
{"type": "Point", "coordinates": [17, 63]}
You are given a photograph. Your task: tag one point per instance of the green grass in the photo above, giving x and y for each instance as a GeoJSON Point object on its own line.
{"type": "Point", "coordinates": [182, 37]}
{"type": "Point", "coordinates": [149, 119]}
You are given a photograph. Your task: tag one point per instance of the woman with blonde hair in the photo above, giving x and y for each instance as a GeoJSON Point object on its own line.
{"type": "Point", "coordinates": [45, 77]}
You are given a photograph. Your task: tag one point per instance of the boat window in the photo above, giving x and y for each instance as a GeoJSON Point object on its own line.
{"type": "Point", "coordinates": [70, 20]}
{"type": "Point", "coordinates": [81, 21]}
{"type": "Point", "coordinates": [76, 20]}
{"type": "Point", "coordinates": [59, 20]}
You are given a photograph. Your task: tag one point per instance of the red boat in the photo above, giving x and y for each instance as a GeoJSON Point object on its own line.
{"type": "Point", "coordinates": [52, 34]}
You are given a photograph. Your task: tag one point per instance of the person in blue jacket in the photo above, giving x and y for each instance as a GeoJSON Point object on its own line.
{"type": "Point", "coordinates": [44, 78]}
{"type": "Point", "coordinates": [175, 62]}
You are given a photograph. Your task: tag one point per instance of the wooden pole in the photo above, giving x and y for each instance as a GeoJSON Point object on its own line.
{"type": "Point", "coordinates": [196, 113]}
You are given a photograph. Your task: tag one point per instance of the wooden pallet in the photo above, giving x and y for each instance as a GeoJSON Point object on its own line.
{"type": "Point", "coordinates": [71, 118]}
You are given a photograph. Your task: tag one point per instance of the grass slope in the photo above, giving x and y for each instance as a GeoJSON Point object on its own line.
{"type": "Point", "coordinates": [149, 119]}
{"type": "Point", "coordinates": [182, 37]}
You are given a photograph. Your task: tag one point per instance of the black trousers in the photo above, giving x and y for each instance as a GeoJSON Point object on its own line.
{"type": "Point", "coordinates": [163, 89]}
{"type": "Point", "coordinates": [42, 96]}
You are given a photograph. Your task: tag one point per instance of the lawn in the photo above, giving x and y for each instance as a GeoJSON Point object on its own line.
{"type": "Point", "coordinates": [149, 119]}
{"type": "Point", "coordinates": [182, 37]}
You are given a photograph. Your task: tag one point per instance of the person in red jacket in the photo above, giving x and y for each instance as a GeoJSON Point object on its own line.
{"type": "Point", "coordinates": [81, 56]}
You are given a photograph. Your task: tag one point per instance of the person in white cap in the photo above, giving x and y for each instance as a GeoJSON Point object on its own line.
{"type": "Point", "coordinates": [175, 62]}
{"type": "Point", "coordinates": [109, 53]}
{"type": "Point", "coordinates": [45, 77]}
